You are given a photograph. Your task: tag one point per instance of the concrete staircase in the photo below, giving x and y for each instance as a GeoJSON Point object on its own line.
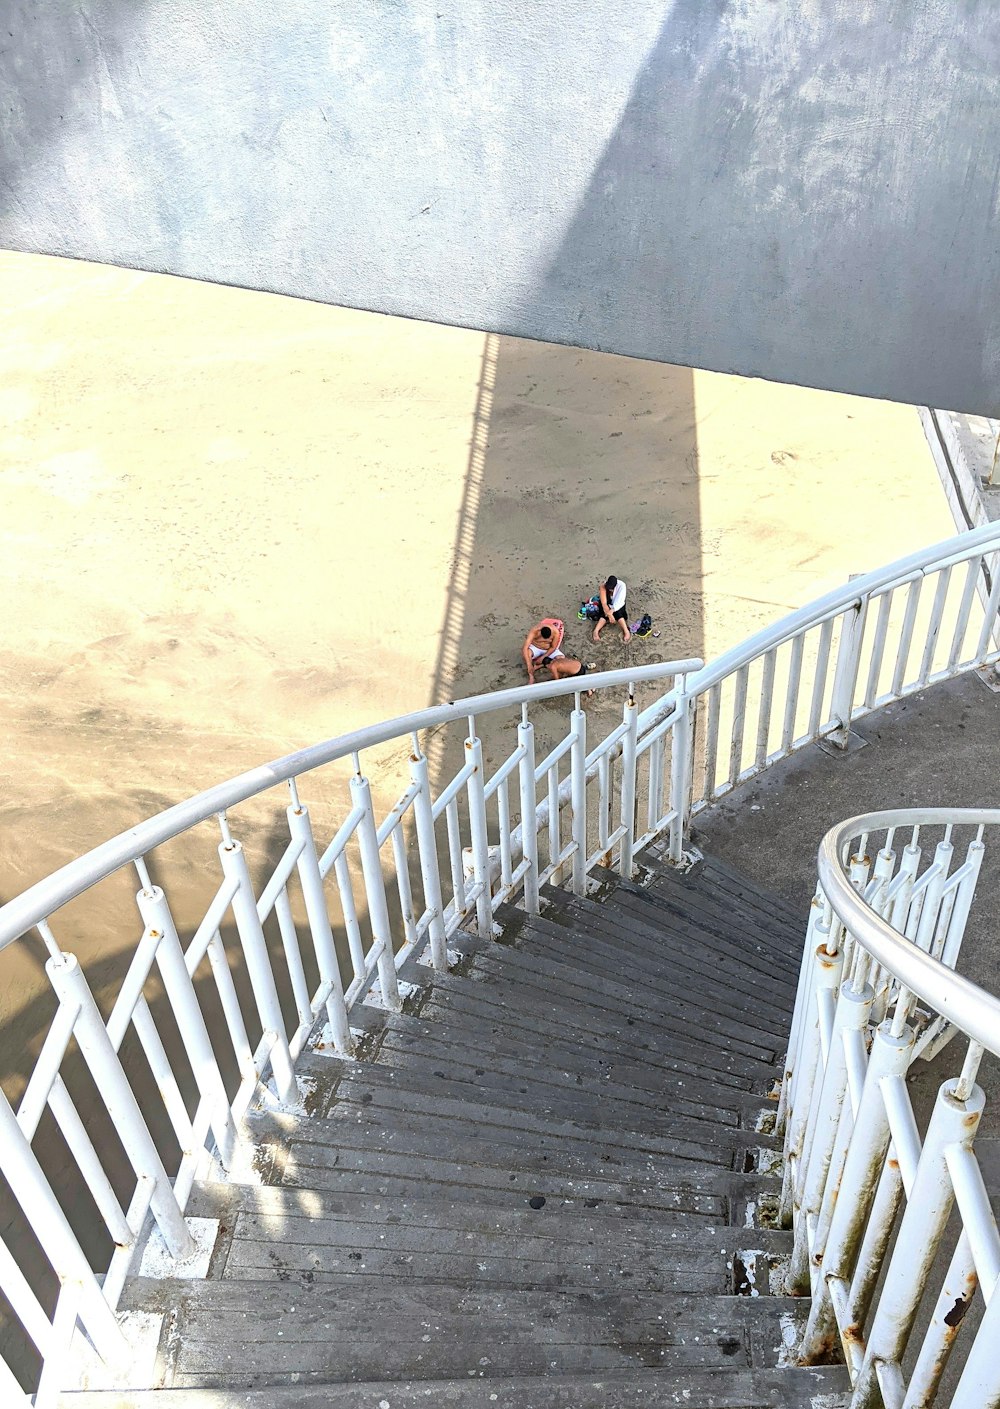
{"type": "Point", "coordinates": [548, 1183]}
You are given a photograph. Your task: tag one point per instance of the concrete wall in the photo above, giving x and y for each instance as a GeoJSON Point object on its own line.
{"type": "Point", "coordinates": [802, 191]}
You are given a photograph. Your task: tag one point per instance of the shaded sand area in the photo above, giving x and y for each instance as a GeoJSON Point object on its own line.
{"type": "Point", "coordinates": [234, 524]}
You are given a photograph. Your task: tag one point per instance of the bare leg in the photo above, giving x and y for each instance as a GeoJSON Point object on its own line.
{"type": "Point", "coordinates": [599, 627]}
{"type": "Point", "coordinates": [623, 623]}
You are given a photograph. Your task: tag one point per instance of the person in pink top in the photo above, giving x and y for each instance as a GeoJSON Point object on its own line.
{"type": "Point", "coordinates": [542, 647]}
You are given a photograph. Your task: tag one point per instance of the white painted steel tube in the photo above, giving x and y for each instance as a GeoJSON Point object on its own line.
{"type": "Point", "coordinates": [963, 1003]}
{"type": "Point", "coordinates": [578, 775]}
{"type": "Point", "coordinates": [427, 852]}
{"type": "Point", "coordinates": [979, 1386]}
{"type": "Point", "coordinates": [349, 911]}
{"type": "Point", "coordinates": [529, 833]}
{"type": "Point", "coordinates": [739, 724]}
{"type": "Point", "coordinates": [630, 719]}
{"type": "Point", "coordinates": [318, 918]}
{"type": "Point", "coordinates": [934, 626]}
{"type": "Point", "coordinates": [378, 910]}
{"type": "Point", "coordinates": [92, 1038]}
{"type": "Point", "coordinates": [954, 1299]}
{"type": "Point", "coordinates": [878, 649]}
{"type": "Point", "coordinates": [56, 1238]}
{"type": "Point", "coordinates": [478, 833]}
{"type": "Point", "coordinates": [973, 570]}
{"type": "Point", "coordinates": [974, 1204]}
{"type": "Point", "coordinates": [258, 963]}
{"type": "Point", "coordinates": [920, 1230]}
{"type": "Point", "coordinates": [852, 632]}
{"type": "Point", "coordinates": [401, 867]}
{"type": "Point", "coordinates": [155, 911]}
{"type": "Point", "coordinates": [681, 771]}
{"type": "Point", "coordinates": [293, 958]}
{"type": "Point", "coordinates": [819, 679]}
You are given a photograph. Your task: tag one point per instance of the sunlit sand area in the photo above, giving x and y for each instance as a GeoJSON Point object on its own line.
{"type": "Point", "coordinates": [234, 524]}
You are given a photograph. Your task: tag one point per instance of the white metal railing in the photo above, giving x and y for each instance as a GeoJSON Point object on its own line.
{"type": "Point", "coordinates": [882, 636]}
{"type": "Point", "coordinates": [868, 1195]}
{"type": "Point", "coordinates": [270, 996]}
{"type": "Point", "coordinates": [712, 727]}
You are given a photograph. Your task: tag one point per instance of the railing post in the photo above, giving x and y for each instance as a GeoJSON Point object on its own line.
{"type": "Point", "coordinates": [371, 868]}
{"type": "Point", "coordinates": [179, 988]}
{"type": "Point", "coordinates": [258, 962]}
{"type": "Point", "coordinates": [626, 864]}
{"type": "Point", "coordinates": [802, 996]}
{"type": "Point", "coordinates": [92, 1038]}
{"type": "Point", "coordinates": [300, 829]}
{"type": "Point", "coordinates": [44, 1214]}
{"type": "Point", "coordinates": [529, 828]}
{"type": "Point", "coordinates": [578, 773]}
{"type": "Point", "coordinates": [852, 633]}
{"type": "Point", "coordinates": [681, 770]}
{"type": "Point", "coordinates": [427, 847]}
{"type": "Point", "coordinates": [953, 1122]}
{"type": "Point", "coordinates": [476, 788]}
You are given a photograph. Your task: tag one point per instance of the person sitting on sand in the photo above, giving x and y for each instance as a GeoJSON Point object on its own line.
{"type": "Point", "coordinates": [542, 647]}
{"type": "Point", "coordinates": [612, 593]}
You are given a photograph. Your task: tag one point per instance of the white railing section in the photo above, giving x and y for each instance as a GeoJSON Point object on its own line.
{"type": "Point", "coordinates": [885, 635]}
{"type": "Point", "coordinates": [292, 982]}
{"type": "Point", "coordinates": [265, 966]}
{"type": "Point", "coordinates": [868, 1195]}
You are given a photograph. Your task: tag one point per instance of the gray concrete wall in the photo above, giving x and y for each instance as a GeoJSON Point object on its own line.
{"type": "Point", "coordinates": [806, 191]}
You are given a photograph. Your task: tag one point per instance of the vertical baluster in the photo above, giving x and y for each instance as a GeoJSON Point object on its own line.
{"type": "Point", "coordinates": [92, 1038]}
{"type": "Point", "coordinates": [317, 915]}
{"type": "Point", "coordinates": [963, 903]}
{"type": "Point", "coordinates": [427, 847]}
{"type": "Point", "coordinates": [503, 822]}
{"type": "Point", "coordinates": [712, 742]}
{"type": "Point", "coordinates": [578, 786]}
{"type": "Point", "coordinates": [293, 956]}
{"type": "Point", "coordinates": [32, 1191]}
{"type": "Point", "coordinates": [476, 788]}
{"type": "Point", "coordinates": [529, 828]}
{"type": "Point", "coordinates": [156, 915]}
{"type": "Point", "coordinates": [378, 909]}
{"type": "Point", "coordinates": [604, 807]}
{"type": "Point", "coordinates": [258, 962]}
{"type": "Point", "coordinates": [403, 882]}
{"type": "Point", "coordinates": [455, 858]}
{"type": "Point", "coordinates": [218, 961]}
{"type": "Point", "coordinates": [972, 571]}
{"type": "Point", "coordinates": [681, 769]}
{"type": "Point", "coordinates": [819, 681]}
{"type": "Point", "coordinates": [989, 626]}
{"type": "Point", "coordinates": [792, 695]}
{"type": "Point", "coordinates": [906, 635]}
{"type": "Point", "coordinates": [555, 820]}
{"type": "Point", "coordinates": [629, 742]}
{"type": "Point", "coordinates": [934, 625]}
{"type": "Point", "coordinates": [349, 909]}
{"type": "Point", "coordinates": [878, 649]}
{"type": "Point", "coordinates": [654, 790]}
{"type": "Point", "coordinates": [764, 713]}
{"type": "Point", "coordinates": [739, 724]}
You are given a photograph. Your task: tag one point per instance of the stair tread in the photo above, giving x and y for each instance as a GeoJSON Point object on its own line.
{"type": "Point", "coordinates": [339, 1328]}
{"type": "Point", "coordinates": [715, 1388]}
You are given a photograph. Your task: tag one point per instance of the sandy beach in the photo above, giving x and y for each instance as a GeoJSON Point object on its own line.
{"type": "Point", "coordinates": [235, 524]}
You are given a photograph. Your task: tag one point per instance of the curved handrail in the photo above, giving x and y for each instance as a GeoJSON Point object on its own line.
{"type": "Point", "coordinates": [948, 552]}
{"type": "Point", "coordinates": [71, 880]}
{"type": "Point", "coordinates": [962, 1002]}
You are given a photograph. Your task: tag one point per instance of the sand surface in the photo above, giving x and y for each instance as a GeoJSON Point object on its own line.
{"type": "Point", "coordinates": [235, 524]}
